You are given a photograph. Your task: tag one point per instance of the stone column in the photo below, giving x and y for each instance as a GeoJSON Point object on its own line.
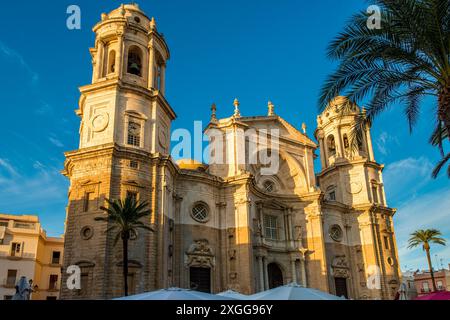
{"type": "Point", "coordinates": [339, 149]}
{"type": "Point", "coordinates": [266, 275]}
{"type": "Point", "coordinates": [303, 271]}
{"type": "Point", "coordinates": [100, 58]}
{"type": "Point", "coordinates": [261, 273]}
{"type": "Point", "coordinates": [323, 155]}
{"type": "Point", "coordinates": [294, 271]}
{"type": "Point", "coordinates": [151, 67]}
{"type": "Point", "coordinates": [120, 56]}
{"type": "Point", "coordinates": [369, 145]}
{"type": "Point", "coordinates": [162, 89]}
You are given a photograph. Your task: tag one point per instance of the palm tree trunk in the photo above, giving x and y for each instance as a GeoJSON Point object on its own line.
{"type": "Point", "coordinates": [125, 265]}
{"type": "Point", "coordinates": [431, 269]}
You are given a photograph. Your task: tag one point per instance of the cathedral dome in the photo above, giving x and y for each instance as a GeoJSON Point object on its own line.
{"type": "Point", "coordinates": [131, 12]}
{"type": "Point", "coordinates": [126, 9]}
{"type": "Point", "coordinates": [341, 104]}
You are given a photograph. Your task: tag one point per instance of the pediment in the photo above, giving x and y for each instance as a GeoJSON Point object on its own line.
{"type": "Point", "coordinates": [272, 204]}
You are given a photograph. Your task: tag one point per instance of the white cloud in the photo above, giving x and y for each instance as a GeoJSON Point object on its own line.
{"type": "Point", "coordinates": [430, 211]}
{"type": "Point", "coordinates": [383, 140]}
{"type": "Point", "coordinates": [44, 108]}
{"type": "Point", "coordinates": [17, 58]}
{"type": "Point", "coordinates": [404, 179]}
{"type": "Point", "coordinates": [56, 142]}
{"type": "Point", "coordinates": [44, 186]}
{"type": "Point", "coordinates": [7, 167]}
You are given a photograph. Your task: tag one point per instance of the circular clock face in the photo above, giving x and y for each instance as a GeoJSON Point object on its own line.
{"type": "Point", "coordinates": [100, 122]}
{"type": "Point", "coordinates": [354, 188]}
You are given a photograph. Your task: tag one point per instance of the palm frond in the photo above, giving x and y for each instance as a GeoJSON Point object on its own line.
{"type": "Point", "coordinates": [440, 165]}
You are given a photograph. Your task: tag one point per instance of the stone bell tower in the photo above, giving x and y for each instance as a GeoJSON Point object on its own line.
{"type": "Point", "coordinates": [124, 150]}
{"type": "Point", "coordinates": [357, 220]}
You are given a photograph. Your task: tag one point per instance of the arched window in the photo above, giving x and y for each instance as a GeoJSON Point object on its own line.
{"type": "Point", "coordinates": [134, 61]}
{"type": "Point", "coordinates": [331, 193]}
{"type": "Point", "coordinates": [331, 144]}
{"type": "Point", "coordinates": [112, 62]}
{"type": "Point", "coordinates": [346, 143]}
{"type": "Point", "coordinates": [134, 133]}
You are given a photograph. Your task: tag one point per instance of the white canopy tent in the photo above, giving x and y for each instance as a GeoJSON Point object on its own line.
{"type": "Point", "coordinates": [234, 295]}
{"type": "Point", "coordinates": [175, 294]}
{"type": "Point", "coordinates": [293, 291]}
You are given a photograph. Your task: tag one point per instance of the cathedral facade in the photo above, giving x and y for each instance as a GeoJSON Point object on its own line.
{"type": "Point", "coordinates": [226, 225]}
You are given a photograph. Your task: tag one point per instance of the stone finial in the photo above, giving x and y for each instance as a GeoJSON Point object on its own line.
{"type": "Point", "coordinates": [304, 127]}
{"type": "Point", "coordinates": [213, 113]}
{"type": "Point", "coordinates": [153, 24]}
{"type": "Point", "coordinates": [271, 109]}
{"type": "Point", "coordinates": [104, 16]}
{"type": "Point", "coordinates": [237, 113]}
{"type": "Point", "coordinates": [122, 10]}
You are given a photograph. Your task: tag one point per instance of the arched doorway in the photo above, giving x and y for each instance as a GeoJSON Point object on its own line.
{"type": "Point", "coordinates": [275, 275]}
{"type": "Point", "coordinates": [200, 279]}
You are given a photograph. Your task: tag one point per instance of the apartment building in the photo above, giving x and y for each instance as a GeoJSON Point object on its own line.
{"type": "Point", "coordinates": [25, 250]}
{"type": "Point", "coordinates": [423, 282]}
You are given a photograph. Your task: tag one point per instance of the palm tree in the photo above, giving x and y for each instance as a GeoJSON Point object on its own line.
{"type": "Point", "coordinates": [425, 238]}
{"type": "Point", "coordinates": [124, 219]}
{"type": "Point", "coordinates": [400, 63]}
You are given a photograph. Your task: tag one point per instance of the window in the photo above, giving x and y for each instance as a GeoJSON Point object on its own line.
{"type": "Point", "coordinates": [135, 61]}
{"type": "Point", "coordinates": [375, 193]}
{"type": "Point", "coordinates": [16, 249]}
{"type": "Point", "coordinates": [390, 261]}
{"type": "Point", "coordinates": [132, 195]}
{"type": "Point", "coordinates": [336, 233]}
{"type": "Point", "coordinates": [388, 223]}
{"type": "Point", "coordinates": [88, 201]}
{"type": "Point", "coordinates": [134, 134]}
{"type": "Point", "coordinates": [134, 164]}
{"type": "Point", "coordinates": [331, 193]}
{"type": "Point", "coordinates": [386, 242]}
{"type": "Point", "coordinates": [425, 287]}
{"type": "Point", "coordinates": [158, 73]}
{"type": "Point", "coordinates": [200, 212]}
{"type": "Point", "coordinates": [56, 255]}
{"type": "Point", "coordinates": [24, 225]}
{"type": "Point", "coordinates": [440, 285]}
{"type": "Point", "coordinates": [112, 62]}
{"type": "Point", "coordinates": [380, 192]}
{"type": "Point", "coordinates": [3, 223]}
{"type": "Point", "coordinates": [271, 227]}
{"type": "Point", "coordinates": [331, 145]}
{"type": "Point", "coordinates": [11, 278]}
{"type": "Point", "coordinates": [53, 282]}
{"type": "Point", "coordinates": [332, 196]}
{"type": "Point", "coordinates": [269, 186]}
{"type": "Point", "coordinates": [346, 143]}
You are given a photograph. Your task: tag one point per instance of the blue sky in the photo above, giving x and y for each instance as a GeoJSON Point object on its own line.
{"type": "Point", "coordinates": [253, 50]}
